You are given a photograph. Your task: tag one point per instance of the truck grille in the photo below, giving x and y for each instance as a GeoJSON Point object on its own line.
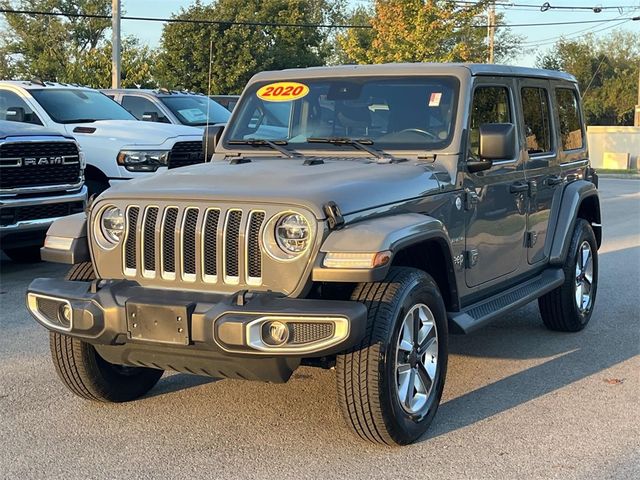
{"type": "Point", "coordinates": [13, 215]}
{"type": "Point", "coordinates": [211, 245]}
{"type": "Point", "coordinates": [38, 164]}
{"type": "Point", "coordinates": [186, 153]}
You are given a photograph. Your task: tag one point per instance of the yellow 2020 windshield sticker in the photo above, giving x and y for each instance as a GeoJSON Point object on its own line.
{"type": "Point", "coordinates": [282, 91]}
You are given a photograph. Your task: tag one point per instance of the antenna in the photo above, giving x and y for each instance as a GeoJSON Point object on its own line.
{"type": "Point", "coordinates": [206, 128]}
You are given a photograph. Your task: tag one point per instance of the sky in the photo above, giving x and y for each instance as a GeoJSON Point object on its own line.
{"type": "Point", "coordinates": [537, 39]}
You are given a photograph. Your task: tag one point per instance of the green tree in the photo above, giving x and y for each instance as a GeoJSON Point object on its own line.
{"type": "Point", "coordinates": [423, 31]}
{"type": "Point", "coordinates": [67, 49]}
{"type": "Point", "coordinates": [240, 51]}
{"type": "Point", "coordinates": [606, 70]}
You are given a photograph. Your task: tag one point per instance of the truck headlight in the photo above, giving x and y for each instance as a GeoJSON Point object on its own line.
{"type": "Point", "coordinates": [143, 160]}
{"type": "Point", "coordinates": [287, 236]}
{"type": "Point", "coordinates": [112, 224]}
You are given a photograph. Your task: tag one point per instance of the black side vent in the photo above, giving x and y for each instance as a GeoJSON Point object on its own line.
{"type": "Point", "coordinates": [189, 241]}
{"type": "Point", "coordinates": [130, 242]}
{"type": "Point", "coordinates": [210, 242]}
{"type": "Point", "coordinates": [169, 240]}
{"type": "Point", "coordinates": [149, 244]}
{"type": "Point", "coordinates": [254, 253]}
{"type": "Point", "coordinates": [231, 242]}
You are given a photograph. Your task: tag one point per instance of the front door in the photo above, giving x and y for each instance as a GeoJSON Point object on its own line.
{"type": "Point", "coordinates": [542, 170]}
{"type": "Point", "coordinates": [496, 216]}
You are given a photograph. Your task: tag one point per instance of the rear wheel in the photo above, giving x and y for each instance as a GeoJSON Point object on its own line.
{"type": "Point", "coordinates": [568, 308]}
{"type": "Point", "coordinates": [389, 386]}
{"type": "Point", "coordinates": [23, 254]}
{"type": "Point", "coordinates": [86, 373]}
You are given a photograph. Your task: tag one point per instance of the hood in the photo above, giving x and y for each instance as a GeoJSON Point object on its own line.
{"type": "Point", "coordinates": [353, 184]}
{"type": "Point", "coordinates": [16, 129]}
{"type": "Point", "coordinates": [132, 132]}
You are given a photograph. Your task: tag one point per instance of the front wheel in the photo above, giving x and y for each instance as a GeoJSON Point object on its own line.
{"type": "Point", "coordinates": [86, 373]}
{"type": "Point", "coordinates": [23, 254]}
{"type": "Point", "coordinates": [389, 386]}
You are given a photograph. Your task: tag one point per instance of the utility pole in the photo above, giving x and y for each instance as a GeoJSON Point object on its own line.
{"type": "Point", "coordinates": [491, 30]}
{"type": "Point", "coordinates": [115, 44]}
{"type": "Point", "coordinates": [636, 120]}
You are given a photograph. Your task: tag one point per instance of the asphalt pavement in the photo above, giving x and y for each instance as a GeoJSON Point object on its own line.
{"type": "Point", "coordinates": [520, 401]}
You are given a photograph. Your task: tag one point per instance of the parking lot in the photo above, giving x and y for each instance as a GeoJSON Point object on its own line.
{"type": "Point", "coordinates": [520, 401]}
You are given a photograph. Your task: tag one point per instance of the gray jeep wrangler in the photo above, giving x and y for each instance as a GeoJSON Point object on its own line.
{"type": "Point", "coordinates": [351, 217]}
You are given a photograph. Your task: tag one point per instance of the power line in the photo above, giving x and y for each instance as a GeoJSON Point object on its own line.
{"type": "Point", "coordinates": [276, 24]}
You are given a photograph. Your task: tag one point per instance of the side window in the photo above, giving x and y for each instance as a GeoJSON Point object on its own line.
{"type": "Point", "coordinates": [15, 109]}
{"type": "Point", "coordinates": [490, 105]}
{"type": "Point", "coordinates": [141, 107]}
{"type": "Point", "coordinates": [570, 124]}
{"type": "Point", "coordinates": [537, 121]}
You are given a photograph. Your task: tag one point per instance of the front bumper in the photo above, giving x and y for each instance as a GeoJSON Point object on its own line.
{"type": "Point", "coordinates": [204, 333]}
{"type": "Point", "coordinates": [47, 209]}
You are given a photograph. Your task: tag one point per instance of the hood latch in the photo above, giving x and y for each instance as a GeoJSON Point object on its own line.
{"type": "Point", "coordinates": [334, 216]}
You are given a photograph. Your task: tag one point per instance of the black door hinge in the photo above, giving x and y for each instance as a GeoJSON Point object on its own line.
{"type": "Point", "coordinates": [471, 258]}
{"type": "Point", "coordinates": [334, 216]}
{"type": "Point", "coordinates": [530, 239]}
{"type": "Point", "coordinates": [470, 199]}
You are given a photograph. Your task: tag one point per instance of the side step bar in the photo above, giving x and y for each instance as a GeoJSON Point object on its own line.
{"type": "Point", "coordinates": [483, 312]}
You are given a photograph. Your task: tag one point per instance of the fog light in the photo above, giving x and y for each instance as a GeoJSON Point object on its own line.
{"type": "Point", "coordinates": [275, 333]}
{"type": "Point", "coordinates": [65, 313]}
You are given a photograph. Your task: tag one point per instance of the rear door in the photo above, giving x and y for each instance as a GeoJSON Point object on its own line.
{"type": "Point", "coordinates": [542, 169]}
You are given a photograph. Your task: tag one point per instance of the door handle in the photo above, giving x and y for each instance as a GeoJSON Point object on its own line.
{"type": "Point", "coordinates": [519, 187]}
{"type": "Point", "coordinates": [554, 180]}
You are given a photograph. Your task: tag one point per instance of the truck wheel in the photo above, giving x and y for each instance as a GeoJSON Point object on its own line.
{"type": "Point", "coordinates": [86, 373]}
{"type": "Point", "coordinates": [568, 308]}
{"type": "Point", "coordinates": [389, 386]}
{"type": "Point", "coordinates": [23, 254]}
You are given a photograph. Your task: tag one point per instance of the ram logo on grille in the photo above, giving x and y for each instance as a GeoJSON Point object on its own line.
{"type": "Point", "coordinates": [194, 243]}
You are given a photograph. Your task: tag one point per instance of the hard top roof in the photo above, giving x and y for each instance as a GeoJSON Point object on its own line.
{"type": "Point", "coordinates": [391, 69]}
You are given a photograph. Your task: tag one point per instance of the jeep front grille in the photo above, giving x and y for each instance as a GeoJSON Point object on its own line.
{"type": "Point", "coordinates": [209, 245]}
{"type": "Point", "coordinates": [39, 164]}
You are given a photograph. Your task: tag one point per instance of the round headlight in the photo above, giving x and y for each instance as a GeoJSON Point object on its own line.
{"type": "Point", "coordinates": [293, 233]}
{"type": "Point", "coordinates": [112, 224]}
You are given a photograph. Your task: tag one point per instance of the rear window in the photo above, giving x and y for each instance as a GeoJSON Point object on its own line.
{"type": "Point", "coordinates": [569, 115]}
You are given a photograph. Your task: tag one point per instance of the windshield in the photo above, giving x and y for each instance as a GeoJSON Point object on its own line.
{"type": "Point", "coordinates": [68, 105]}
{"type": "Point", "coordinates": [192, 110]}
{"type": "Point", "coordinates": [397, 113]}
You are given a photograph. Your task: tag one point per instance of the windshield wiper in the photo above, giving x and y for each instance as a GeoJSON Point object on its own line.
{"type": "Point", "coordinates": [360, 144]}
{"type": "Point", "coordinates": [260, 142]}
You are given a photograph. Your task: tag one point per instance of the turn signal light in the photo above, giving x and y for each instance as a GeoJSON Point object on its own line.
{"type": "Point", "coordinates": [356, 260]}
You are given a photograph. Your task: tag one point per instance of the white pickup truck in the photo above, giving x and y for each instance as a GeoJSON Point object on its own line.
{"type": "Point", "coordinates": [117, 146]}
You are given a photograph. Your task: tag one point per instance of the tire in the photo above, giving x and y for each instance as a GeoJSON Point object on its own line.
{"type": "Point", "coordinates": [96, 186]}
{"type": "Point", "coordinates": [86, 373]}
{"type": "Point", "coordinates": [24, 254]}
{"type": "Point", "coordinates": [559, 308]}
{"type": "Point", "coordinates": [369, 376]}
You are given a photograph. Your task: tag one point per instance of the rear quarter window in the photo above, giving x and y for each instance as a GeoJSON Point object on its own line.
{"type": "Point", "coordinates": [571, 132]}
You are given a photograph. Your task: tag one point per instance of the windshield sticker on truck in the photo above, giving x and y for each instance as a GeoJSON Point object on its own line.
{"type": "Point", "coordinates": [434, 100]}
{"type": "Point", "coordinates": [193, 114]}
{"type": "Point", "coordinates": [282, 92]}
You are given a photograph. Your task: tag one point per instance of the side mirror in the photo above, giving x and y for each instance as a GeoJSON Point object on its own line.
{"type": "Point", "coordinates": [150, 117]}
{"type": "Point", "coordinates": [497, 141]}
{"type": "Point", "coordinates": [210, 139]}
{"type": "Point", "coordinates": [15, 114]}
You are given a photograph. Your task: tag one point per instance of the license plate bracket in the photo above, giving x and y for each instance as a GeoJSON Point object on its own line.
{"type": "Point", "coordinates": [157, 321]}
